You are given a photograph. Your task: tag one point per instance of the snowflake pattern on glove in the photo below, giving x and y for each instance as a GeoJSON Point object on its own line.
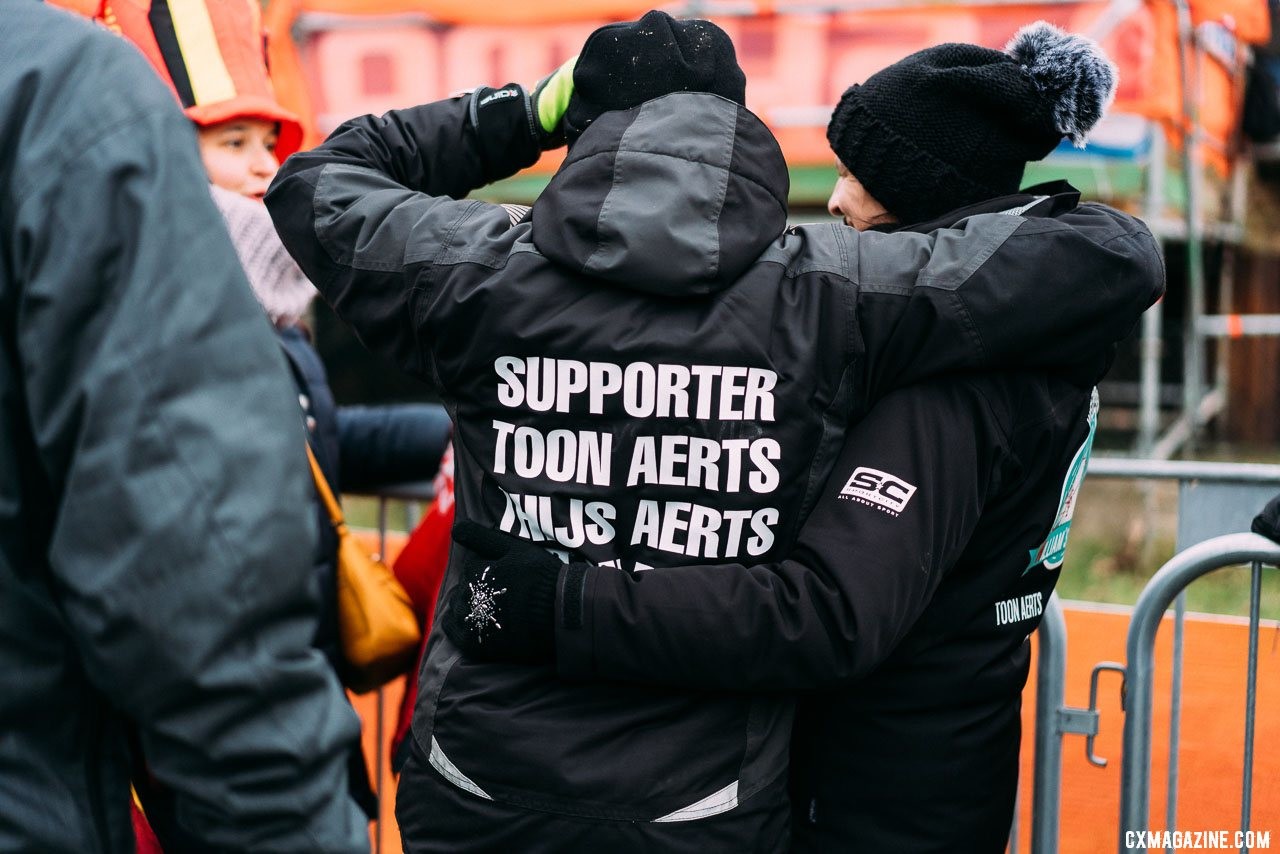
{"type": "Point", "coordinates": [484, 605]}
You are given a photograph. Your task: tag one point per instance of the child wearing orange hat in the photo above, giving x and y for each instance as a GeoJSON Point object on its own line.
{"type": "Point", "coordinates": [211, 55]}
{"type": "Point", "coordinates": [210, 52]}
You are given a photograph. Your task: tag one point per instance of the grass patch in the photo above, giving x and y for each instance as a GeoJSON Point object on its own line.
{"type": "Point", "coordinates": [1091, 574]}
{"type": "Point", "coordinates": [363, 512]}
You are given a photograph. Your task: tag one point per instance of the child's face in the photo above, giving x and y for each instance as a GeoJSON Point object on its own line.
{"type": "Point", "coordinates": [239, 155]}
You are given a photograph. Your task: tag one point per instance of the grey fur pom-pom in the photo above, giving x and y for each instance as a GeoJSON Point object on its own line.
{"type": "Point", "coordinates": [1070, 69]}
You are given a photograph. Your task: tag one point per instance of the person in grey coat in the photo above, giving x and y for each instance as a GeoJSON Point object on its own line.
{"type": "Point", "coordinates": [153, 490]}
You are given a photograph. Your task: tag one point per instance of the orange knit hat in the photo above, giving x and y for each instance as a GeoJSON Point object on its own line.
{"type": "Point", "coordinates": [212, 54]}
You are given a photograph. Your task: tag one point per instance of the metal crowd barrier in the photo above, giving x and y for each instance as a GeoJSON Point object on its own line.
{"type": "Point", "coordinates": [1168, 583]}
{"type": "Point", "coordinates": [1213, 499]}
{"type": "Point", "coordinates": [1054, 719]}
{"type": "Point", "coordinates": [415, 495]}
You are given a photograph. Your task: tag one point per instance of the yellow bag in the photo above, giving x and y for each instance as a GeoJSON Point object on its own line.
{"type": "Point", "coordinates": [376, 621]}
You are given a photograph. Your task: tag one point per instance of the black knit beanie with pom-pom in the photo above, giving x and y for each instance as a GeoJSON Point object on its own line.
{"type": "Point", "coordinates": [956, 124]}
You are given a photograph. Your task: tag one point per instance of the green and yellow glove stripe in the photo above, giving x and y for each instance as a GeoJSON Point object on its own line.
{"type": "Point", "coordinates": [553, 95]}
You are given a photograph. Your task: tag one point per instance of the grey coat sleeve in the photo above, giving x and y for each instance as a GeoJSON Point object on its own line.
{"type": "Point", "coordinates": [165, 427]}
{"type": "Point", "coordinates": [855, 583]}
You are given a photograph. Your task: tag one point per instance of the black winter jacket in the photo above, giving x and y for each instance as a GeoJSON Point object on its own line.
{"type": "Point", "coordinates": [921, 754]}
{"type": "Point", "coordinates": [651, 372]}
{"type": "Point", "coordinates": [153, 492]}
{"type": "Point", "coordinates": [910, 596]}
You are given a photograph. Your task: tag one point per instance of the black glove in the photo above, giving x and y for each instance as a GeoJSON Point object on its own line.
{"type": "Point", "coordinates": [503, 608]}
{"type": "Point", "coordinates": [514, 126]}
{"type": "Point", "coordinates": [506, 133]}
{"type": "Point", "coordinates": [1267, 523]}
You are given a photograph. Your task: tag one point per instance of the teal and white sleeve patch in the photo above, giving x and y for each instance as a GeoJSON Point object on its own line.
{"type": "Point", "coordinates": [1054, 548]}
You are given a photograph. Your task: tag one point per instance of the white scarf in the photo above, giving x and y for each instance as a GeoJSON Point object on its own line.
{"type": "Point", "coordinates": [280, 287]}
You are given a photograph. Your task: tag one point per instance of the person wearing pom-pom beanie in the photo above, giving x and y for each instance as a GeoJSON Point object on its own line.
{"type": "Point", "coordinates": [929, 556]}
{"type": "Point", "coordinates": [956, 124]}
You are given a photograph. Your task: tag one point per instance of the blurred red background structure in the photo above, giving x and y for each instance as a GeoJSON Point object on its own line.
{"type": "Point", "coordinates": [332, 59]}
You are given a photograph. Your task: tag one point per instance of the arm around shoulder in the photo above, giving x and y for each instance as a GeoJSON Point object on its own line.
{"type": "Point", "coordinates": [858, 578]}
{"type": "Point", "coordinates": [999, 291]}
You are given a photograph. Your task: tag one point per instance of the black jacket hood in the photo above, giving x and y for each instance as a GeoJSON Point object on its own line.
{"type": "Point", "coordinates": [676, 197]}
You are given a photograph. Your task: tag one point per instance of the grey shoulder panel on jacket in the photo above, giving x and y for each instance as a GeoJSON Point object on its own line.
{"type": "Point", "coordinates": [893, 262]}
{"type": "Point", "coordinates": [412, 228]}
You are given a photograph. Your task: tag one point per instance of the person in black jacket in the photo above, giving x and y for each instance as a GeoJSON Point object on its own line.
{"type": "Point", "coordinates": [358, 447]}
{"type": "Point", "coordinates": [932, 549]}
{"type": "Point", "coordinates": [648, 370]}
{"type": "Point", "coordinates": [152, 489]}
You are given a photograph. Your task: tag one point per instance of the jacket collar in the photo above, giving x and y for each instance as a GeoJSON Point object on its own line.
{"type": "Point", "coordinates": [1049, 199]}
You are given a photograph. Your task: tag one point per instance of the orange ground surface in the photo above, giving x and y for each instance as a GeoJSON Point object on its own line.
{"type": "Point", "coordinates": [1211, 755]}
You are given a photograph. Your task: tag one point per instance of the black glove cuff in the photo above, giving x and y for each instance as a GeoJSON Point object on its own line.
{"type": "Point", "coordinates": [575, 582]}
{"type": "Point", "coordinates": [1267, 523]}
{"type": "Point", "coordinates": [505, 129]}
{"type": "Point", "coordinates": [539, 611]}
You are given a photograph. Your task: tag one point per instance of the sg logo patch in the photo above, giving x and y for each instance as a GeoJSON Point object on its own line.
{"type": "Point", "coordinates": [878, 489]}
